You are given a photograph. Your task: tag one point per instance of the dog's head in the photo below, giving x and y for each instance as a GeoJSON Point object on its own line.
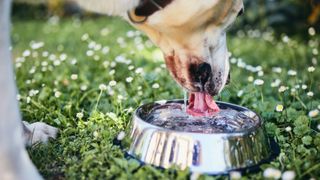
{"type": "Point", "coordinates": [192, 36]}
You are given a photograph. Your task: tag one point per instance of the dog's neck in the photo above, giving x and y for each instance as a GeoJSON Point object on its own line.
{"type": "Point", "coordinates": [148, 7]}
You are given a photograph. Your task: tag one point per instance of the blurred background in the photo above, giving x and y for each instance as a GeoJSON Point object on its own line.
{"type": "Point", "coordinates": [291, 17]}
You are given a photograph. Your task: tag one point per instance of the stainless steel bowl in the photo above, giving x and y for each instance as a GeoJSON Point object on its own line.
{"type": "Point", "coordinates": [216, 153]}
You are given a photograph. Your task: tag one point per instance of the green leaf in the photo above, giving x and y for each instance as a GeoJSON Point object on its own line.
{"type": "Point", "coordinates": [307, 140]}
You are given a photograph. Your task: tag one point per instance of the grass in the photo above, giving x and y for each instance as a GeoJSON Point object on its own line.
{"type": "Point", "coordinates": [77, 80]}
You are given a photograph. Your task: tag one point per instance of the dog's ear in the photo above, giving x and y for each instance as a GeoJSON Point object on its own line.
{"type": "Point", "coordinates": [145, 8]}
{"type": "Point", "coordinates": [109, 7]}
{"type": "Point", "coordinates": [148, 7]}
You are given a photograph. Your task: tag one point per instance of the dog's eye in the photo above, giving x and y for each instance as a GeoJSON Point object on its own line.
{"type": "Point", "coordinates": [240, 12]}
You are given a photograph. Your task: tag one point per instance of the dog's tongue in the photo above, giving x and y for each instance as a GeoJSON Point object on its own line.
{"type": "Point", "coordinates": [202, 104]}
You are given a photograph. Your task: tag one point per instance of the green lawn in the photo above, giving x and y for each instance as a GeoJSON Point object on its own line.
{"type": "Point", "coordinates": [87, 77]}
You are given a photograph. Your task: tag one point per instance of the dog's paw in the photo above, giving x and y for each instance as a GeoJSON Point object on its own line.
{"type": "Point", "coordinates": [38, 132]}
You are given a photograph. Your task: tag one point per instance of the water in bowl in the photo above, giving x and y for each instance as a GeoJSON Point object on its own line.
{"type": "Point", "coordinates": [174, 117]}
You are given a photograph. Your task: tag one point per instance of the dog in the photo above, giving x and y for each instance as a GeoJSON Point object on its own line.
{"type": "Point", "coordinates": [191, 34]}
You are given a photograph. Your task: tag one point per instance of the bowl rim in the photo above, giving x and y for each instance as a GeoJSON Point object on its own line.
{"type": "Point", "coordinates": [244, 132]}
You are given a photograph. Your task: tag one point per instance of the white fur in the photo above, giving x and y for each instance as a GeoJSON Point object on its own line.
{"type": "Point", "coordinates": [40, 133]}
{"type": "Point", "coordinates": [109, 7]}
{"type": "Point", "coordinates": [181, 30]}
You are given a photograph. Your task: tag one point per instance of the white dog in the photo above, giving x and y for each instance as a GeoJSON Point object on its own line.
{"type": "Point", "coordinates": [191, 34]}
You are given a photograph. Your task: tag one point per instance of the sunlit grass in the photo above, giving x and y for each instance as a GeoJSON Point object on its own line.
{"type": "Point", "coordinates": [86, 78]}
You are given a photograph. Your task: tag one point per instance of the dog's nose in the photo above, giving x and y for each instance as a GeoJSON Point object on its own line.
{"type": "Point", "coordinates": [203, 73]}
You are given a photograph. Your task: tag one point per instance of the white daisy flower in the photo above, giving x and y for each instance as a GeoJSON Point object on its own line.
{"type": "Point", "coordinates": [112, 83]}
{"type": "Point", "coordinates": [28, 100]}
{"type": "Point", "coordinates": [288, 129]}
{"type": "Point", "coordinates": [113, 64]}
{"type": "Point", "coordinates": [129, 79]}
{"type": "Point", "coordinates": [279, 108]}
{"type": "Point", "coordinates": [102, 87]}
{"type": "Point", "coordinates": [250, 79]}
{"type": "Point", "coordinates": [131, 67]}
{"type": "Point", "coordinates": [84, 87]}
{"type": "Point", "coordinates": [272, 173]}
{"type": "Point", "coordinates": [32, 70]}
{"type": "Point", "coordinates": [235, 175]}
{"type": "Point", "coordinates": [110, 92]}
{"type": "Point", "coordinates": [52, 57]}
{"type": "Point", "coordinates": [57, 94]}
{"type": "Point", "coordinates": [26, 53]}
{"type": "Point", "coordinates": [74, 76]}
{"type": "Point", "coordinates": [311, 69]}
{"type": "Point", "coordinates": [121, 136]}
{"type": "Point", "coordinates": [233, 60]}
{"type": "Point", "coordinates": [97, 47]}
{"type": "Point", "coordinates": [89, 53]}
{"type": "Point", "coordinates": [85, 37]}
{"type": "Point", "coordinates": [56, 62]}
{"type": "Point", "coordinates": [276, 83]}
{"type": "Point", "coordinates": [292, 73]}
{"type": "Point", "coordinates": [312, 31]}
{"type": "Point", "coordinates": [44, 63]}
{"type": "Point", "coordinates": [91, 45]}
{"type": "Point", "coordinates": [139, 70]}
{"type": "Point", "coordinates": [45, 54]}
{"type": "Point", "coordinates": [112, 115]}
{"type": "Point", "coordinates": [63, 57]}
{"type": "Point", "coordinates": [282, 89]}
{"type": "Point", "coordinates": [277, 69]}
{"type": "Point", "coordinates": [240, 93]}
{"type": "Point", "coordinates": [129, 110]}
{"type": "Point", "coordinates": [304, 87]}
{"type": "Point", "coordinates": [36, 45]}
{"type": "Point", "coordinates": [105, 50]}
{"type": "Point", "coordinates": [285, 39]}
{"type": "Point", "coordinates": [288, 175]}
{"type": "Point", "coordinates": [106, 64]}
{"type": "Point", "coordinates": [241, 64]}
{"type": "Point", "coordinates": [79, 115]}
{"type": "Point", "coordinates": [258, 82]}
{"type": "Point", "coordinates": [310, 94]}
{"type": "Point", "coordinates": [18, 97]}
{"type": "Point", "coordinates": [104, 32]}
{"type": "Point", "coordinates": [96, 57]}
{"type": "Point", "coordinates": [155, 86]}
{"type": "Point", "coordinates": [73, 61]}
{"type": "Point", "coordinates": [260, 73]}
{"type": "Point", "coordinates": [130, 34]}
{"type": "Point", "coordinates": [95, 134]}
{"type": "Point", "coordinates": [112, 72]}
{"type": "Point", "coordinates": [313, 113]}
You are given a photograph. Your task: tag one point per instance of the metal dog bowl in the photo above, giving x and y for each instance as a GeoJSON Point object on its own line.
{"type": "Point", "coordinates": [202, 152]}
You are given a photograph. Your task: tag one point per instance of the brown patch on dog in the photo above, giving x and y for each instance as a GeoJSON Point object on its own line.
{"type": "Point", "coordinates": [223, 11]}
